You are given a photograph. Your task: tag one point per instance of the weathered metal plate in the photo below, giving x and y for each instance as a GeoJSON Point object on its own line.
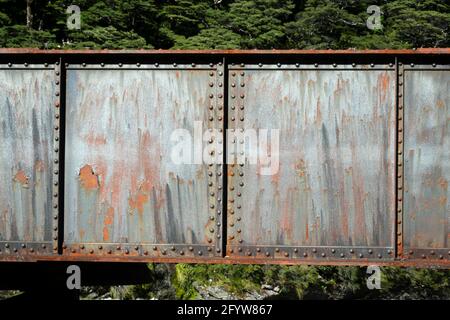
{"type": "Point", "coordinates": [123, 192]}
{"type": "Point", "coordinates": [333, 194]}
{"type": "Point", "coordinates": [426, 217]}
{"type": "Point", "coordinates": [27, 116]}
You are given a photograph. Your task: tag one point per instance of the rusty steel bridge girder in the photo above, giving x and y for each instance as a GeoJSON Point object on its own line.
{"type": "Point", "coordinates": [364, 152]}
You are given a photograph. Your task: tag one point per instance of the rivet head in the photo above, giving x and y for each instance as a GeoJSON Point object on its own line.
{"type": "Point", "coordinates": [199, 253]}
{"type": "Point", "coordinates": [278, 65]}
{"type": "Point", "coordinates": [323, 254]}
{"type": "Point", "coordinates": [305, 254]}
{"type": "Point", "coordinates": [286, 254]}
{"type": "Point", "coordinates": [333, 250]}
{"type": "Point", "coordinates": [361, 255]}
{"type": "Point", "coordinates": [342, 255]}
{"type": "Point", "coordinates": [314, 250]}
{"type": "Point", "coordinates": [370, 251]}
{"type": "Point", "coordinates": [267, 254]}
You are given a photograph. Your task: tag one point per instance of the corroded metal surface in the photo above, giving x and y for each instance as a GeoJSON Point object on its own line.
{"type": "Point", "coordinates": [27, 113]}
{"type": "Point", "coordinates": [123, 192]}
{"type": "Point", "coordinates": [363, 165]}
{"type": "Point", "coordinates": [427, 162]}
{"type": "Point", "coordinates": [335, 183]}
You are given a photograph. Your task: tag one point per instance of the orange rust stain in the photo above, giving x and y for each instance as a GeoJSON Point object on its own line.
{"type": "Point", "coordinates": [96, 140]}
{"type": "Point", "coordinates": [440, 104]}
{"type": "Point", "coordinates": [21, 177]}
{"type": "Point", "coordinates": [443, 201]}
{"type": "Point", "coordinates": [107, 222]}
{"type": "Point", "coordinates": [89, 180]}
{"type": "Point", "coordinates": [318, 112]}
{"type": "Point", "coordinates": [443, 183]}
{"type": "Point", "coordinates": [139, 201]}
{"type": "Point", "coordinates": [39, 165]}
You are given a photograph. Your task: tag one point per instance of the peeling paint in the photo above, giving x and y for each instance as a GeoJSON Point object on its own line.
{"type": "Point", "coordinates": [88, 179]}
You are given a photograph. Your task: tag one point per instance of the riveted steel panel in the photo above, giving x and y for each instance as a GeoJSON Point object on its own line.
{"type": "Point", "coordinates": [332, 196]}
{"type": "Point", "coordinates": [27, 119]}
{"type": "Point", "coordinates": [124, 193]}
{"type": "Point", "coordinates": [426, 217]}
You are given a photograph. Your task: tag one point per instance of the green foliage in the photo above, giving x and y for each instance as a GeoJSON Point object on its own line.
{"type": "Point", "coordinates": [229, 24]}
{"type": "Point", "coordinates": [304, 282]}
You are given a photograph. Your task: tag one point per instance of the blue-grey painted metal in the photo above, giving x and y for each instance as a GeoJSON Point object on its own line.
{"type": "Point", "coordinates": [27, 98]}
{"type": "Point", "coordinates": [124, 192]}
{"type": "Point", "coordinates": [360, 176]}
{"type": "Point", "coordinates": [426, 217]}
{"type": "Point", "coordinates": [334, 188]}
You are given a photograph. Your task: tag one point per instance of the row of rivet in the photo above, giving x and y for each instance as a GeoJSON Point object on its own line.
{"type": "Point", "coordinates": [25, 64]}
{"type": "Point", "coordinates": [296, 252]}
{"type": "Point", "coordinates": [316, 65]}
{"type": "Point", "coordinates": [440, 254]}
{"type": "Point", "coordinates": [399, 228]}
{"type": "Point", "coordinates": [57, 114]}
{"type": "Point", "coordinates": [237, 95]}
{"type": "Point", "coordinates": [156, 65]}
{"type": "Point", "coordinates": [211, 65]}
{"type": "Point", "coordinates": [141, 250]}
{"type": "Point", "coordinates": [30, 247]}
{"type": "Point", "coordinates": [215, 124]}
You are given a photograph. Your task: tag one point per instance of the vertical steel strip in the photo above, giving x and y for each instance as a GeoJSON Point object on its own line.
{"type": "Point", "coordinates": [56, 146]}
{"type": "Point", "coordinates": [218, 143]}
{"type": "Point", "coordinates": [235, 182]}
{"type": "Point", "coordinates": [400, 158]}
